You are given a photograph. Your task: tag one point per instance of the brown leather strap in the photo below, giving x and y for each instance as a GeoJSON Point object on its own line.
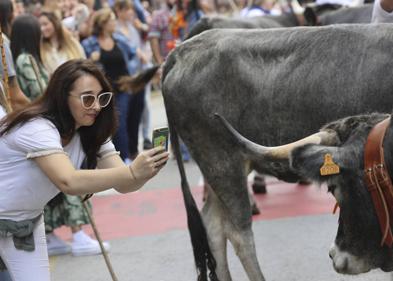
{"type": "Point", "coordinates": [378, 180]}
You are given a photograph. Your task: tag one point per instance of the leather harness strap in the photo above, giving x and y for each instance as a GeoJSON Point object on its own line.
{"type": "Point", "coordinates": [378, 180]}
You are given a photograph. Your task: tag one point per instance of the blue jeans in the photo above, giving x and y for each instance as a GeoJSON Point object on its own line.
{"type": "Point", "coordinates": [4, 276]}
{"type": "Point", "coordinates": [135, 110]}
{"type": "Point", "coordinates": [120, 140]}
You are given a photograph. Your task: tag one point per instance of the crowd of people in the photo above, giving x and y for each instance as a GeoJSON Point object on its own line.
{"type": "Point", "coordinates": [62, 103]}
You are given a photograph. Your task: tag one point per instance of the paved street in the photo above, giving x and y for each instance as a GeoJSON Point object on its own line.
{"type": "Point", "coordinates": [149, 239]}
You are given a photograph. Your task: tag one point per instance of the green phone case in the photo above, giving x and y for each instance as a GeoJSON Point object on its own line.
{"type": "Point", "coordinates": [160, 137]}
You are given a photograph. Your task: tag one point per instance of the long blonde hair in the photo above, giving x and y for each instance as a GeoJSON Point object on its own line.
{"type": "Point", "coordinates": [66, 42]}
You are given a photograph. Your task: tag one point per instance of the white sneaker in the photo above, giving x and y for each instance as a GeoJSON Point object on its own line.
{"type": "Point", "coordinates": [56, 246]}
{"type": "Point", "coordinates": [84, 245]}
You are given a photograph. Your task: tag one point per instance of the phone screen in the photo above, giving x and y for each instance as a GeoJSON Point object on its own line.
{"type": "Point", "coordinates": [161, 137]}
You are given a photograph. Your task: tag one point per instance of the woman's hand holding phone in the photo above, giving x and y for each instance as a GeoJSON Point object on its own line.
{"type": "Point", "coordinates": [148, 163]}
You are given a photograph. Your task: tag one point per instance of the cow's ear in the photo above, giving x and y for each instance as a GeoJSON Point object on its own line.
{"type": "Point", "coordinates": [310, 17]}
{"type": "Point", "coordinates": [307, 160]}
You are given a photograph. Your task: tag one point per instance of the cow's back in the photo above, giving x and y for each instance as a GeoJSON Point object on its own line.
{"type": "Point", "coordinates": [361, 14]}
{"type": "Point", "coordinates": [278, 85]}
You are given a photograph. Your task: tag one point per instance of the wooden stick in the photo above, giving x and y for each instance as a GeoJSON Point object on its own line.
{"type": "Point", "coordinates": [104, 253]}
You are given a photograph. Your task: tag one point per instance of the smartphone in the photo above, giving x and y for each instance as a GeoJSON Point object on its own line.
{"type": "Point", "coordinates": [161, 137]}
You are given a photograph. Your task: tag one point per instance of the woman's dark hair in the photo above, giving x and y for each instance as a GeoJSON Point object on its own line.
{"type": "Point", "coordinates": [6, 15]}
{"type": "Point", "coordinates": [53, 105]}
{"type": "Point", "coordinates": [26, 36]}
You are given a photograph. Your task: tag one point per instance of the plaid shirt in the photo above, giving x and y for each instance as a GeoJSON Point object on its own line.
{"type": "Point", "coordinates": [159, 28]}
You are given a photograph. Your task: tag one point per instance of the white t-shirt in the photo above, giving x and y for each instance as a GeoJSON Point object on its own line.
{"type": "Point", "coordinates": [380, 15]}
{"type": "Point", "coordinates": [24, 188]}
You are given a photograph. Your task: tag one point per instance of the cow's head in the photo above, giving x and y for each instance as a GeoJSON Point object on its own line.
{"type": "Point", "coordinates": [357, 247]}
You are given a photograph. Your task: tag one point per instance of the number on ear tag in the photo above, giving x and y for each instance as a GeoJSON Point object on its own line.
{"type": "Point", "coordinates": [329, 167]}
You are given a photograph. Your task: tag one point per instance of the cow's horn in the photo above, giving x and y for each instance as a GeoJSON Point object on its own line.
{"type": "Point", "coordinates": [328, 137]}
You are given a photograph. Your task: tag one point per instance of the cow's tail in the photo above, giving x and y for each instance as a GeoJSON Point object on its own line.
{"type": "Point", "coordinates": [203, 257]}
{"type": "Point", "coordinates": [137, 82]}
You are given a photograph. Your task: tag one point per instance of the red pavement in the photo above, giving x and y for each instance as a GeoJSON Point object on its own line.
{"type": "Point", "coordinates": [161, 210]}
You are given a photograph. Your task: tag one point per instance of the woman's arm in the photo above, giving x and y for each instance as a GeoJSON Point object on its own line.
{"type": "Point", "coordinates": [59, 169]}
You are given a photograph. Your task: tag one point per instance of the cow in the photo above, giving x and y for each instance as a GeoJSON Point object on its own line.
{"type": "Point", "coordinates": [359, 245]}
{"type": "Point", "coordinates": [267, 21]}
{"type": "Point", "coordinates": [360, 14]}
{"type": "Point", "coordinates": [274, 86]}
{"type": "Point", "coordinates": [326, 14]}
{"type": "Point", "coordinates": [313, 15]}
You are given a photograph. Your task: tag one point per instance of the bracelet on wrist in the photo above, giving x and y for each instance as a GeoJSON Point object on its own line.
{"type": "Point", "coordinates": [132, 172]}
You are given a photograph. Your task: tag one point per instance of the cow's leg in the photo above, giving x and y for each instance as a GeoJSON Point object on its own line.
{"type": "Point", "coordinates": [259, 184]}
{"type": "Point", "coordinates": [243, 243]}
{"type": "Point", "coordinates": [254, 207]}
{"type": "Point", "coordinates": [213, 219]}
{"type": "Point", "coordinates": [219, 229]}
{"type": "Point", "coordinates": [228, 213]}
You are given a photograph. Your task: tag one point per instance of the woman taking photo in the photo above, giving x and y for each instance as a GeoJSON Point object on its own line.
{"type": "Point", "coordinates": [58, 45]}
{"type": "Point", "coordinates": [41, 149]}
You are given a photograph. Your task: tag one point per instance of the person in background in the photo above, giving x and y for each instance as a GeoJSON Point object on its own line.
{"type": "Point", "coordinates": [382, 11]}
{"type": "Point", "coordinates": [19, 8]}
{"type": "Point", "coordinates": [146, 126]}
{"type": "Point", "coordinates": [58, 45]}
{"type": "Point", "coordinates": [193, 14]}
{"type": "Point", "coordinates": [41, 150]}
{"type": "Point", "coordinates": [125, 25]}
{"type": "Point", "coordinates": [112, 51]}
{"type": "Point", "coordinates": [17, 98]}
{"type": "Point", "coordinates": [25, 47]}
{"type": "Point", "coordinates": [167, 29]}
{"type": "Point", "coordinates": [160, 35]}
{"type": "Point", "coordinates": [257, 8]}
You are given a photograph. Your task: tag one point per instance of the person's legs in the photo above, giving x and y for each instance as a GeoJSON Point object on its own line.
{"type": "Point", "coordinates": [55, 214]}
{"type": "Point", "coordinates": [23, 265]}
{"type": "Point", "coordinates": [70, 212]}
{"type": "Point", "coordinates": [146, 119]}
{"type": "Point", "coordinates": [120, 140]}
{"type": "Point", "coordinates": [136, 105]}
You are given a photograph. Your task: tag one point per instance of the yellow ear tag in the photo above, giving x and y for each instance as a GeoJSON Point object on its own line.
{"type": "Point", "coordinates": [329, 167]}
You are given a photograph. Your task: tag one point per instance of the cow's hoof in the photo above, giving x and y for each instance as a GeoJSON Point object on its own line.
{"type": "Point", "coordinates": [255, 210]}
{"type": "Point", "coordinates": [259, 188]}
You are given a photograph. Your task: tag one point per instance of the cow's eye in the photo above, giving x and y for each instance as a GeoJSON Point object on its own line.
{"type": "Point", "coordinates": [331, 188]}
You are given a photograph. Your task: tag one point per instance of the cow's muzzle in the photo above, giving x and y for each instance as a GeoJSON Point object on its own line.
{"type": "Point", "coordinates": [346, 263]}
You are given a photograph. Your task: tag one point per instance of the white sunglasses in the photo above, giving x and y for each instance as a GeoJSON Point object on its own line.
{"type": "Point", "coordinates": [88, 100]}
